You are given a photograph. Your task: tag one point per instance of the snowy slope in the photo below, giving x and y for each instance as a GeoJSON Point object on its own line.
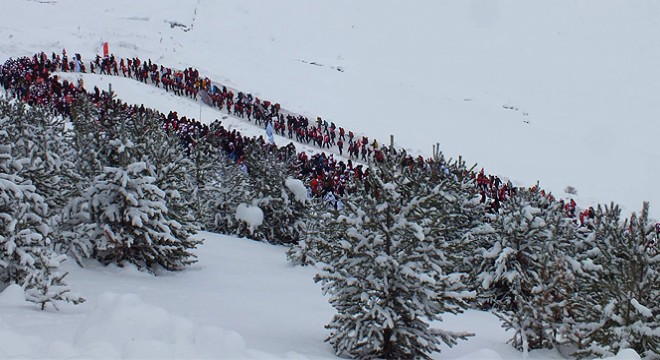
{"type": "Point", "coordinates": [242, 300]}
{"type": "Point", "coordinates": [241, 296]}
{"type": "Point", "coordinates": [562, 92]}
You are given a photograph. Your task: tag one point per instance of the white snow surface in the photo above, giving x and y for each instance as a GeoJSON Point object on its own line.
{"type": "Point", "coordinates": [13, 295]}
{"type": "Point", "coordinates": [643, 310]}
{"type": "Point", "coordinates": [558, 91]}
{"type": "Point", "coordinates": [297, 188]}
{"type": "Point", "coordinates": [252, 215]}
{"type": "Point", "coordinates": [625, 354]}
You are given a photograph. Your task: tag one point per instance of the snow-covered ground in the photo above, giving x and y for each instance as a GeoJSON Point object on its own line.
{"type": "Point", "coordinates": [242, 300]}
{"type": "Point", "coordinates": [558, 91]}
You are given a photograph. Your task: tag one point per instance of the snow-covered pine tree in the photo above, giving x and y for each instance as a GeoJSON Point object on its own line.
{"type": "Point", "coordinates": [218, 187]}
{"type": "Point", "coordinates": [457, 219]}
{"type": "Point", "coordinates": [514, 271]}
{"type": "Point", "coordinates": [203, 179]}
{"type": "Point", "coordinates": [269, 167]}
{"type": "Point", "coordinates": [66, 226]}
{"type": "Point", "coordinates": [46, 285]}
{"type": "Point", "coordinates": [227, 191]}
{"type": "Point", "coordinates": [557, 278]}
{"type": "Point", "coordinates": [304, 252]}
{"type": "Point", "coordinates": [87, 141]}
{"type": "Point", "coordinates": [26, 256]}
{"type": "Point", "coordinates": [619, 297]}
{"type": "Point", "coordinates": [38, 139]}
{"type": "Point", "coordinates": [171, 166]}
{"type": "Point", "coordinates": [129, 219]}
{"type": "Point", "coordinates": [88, 138]}
{"type": "Point", "coordinates": [321, 235]}
{"type": "Point", "coordinates": [463, 222]}
{"type": "Point", "coordinates": [391, 279]}
{"type": "Point", "coordinates": [41, 142]}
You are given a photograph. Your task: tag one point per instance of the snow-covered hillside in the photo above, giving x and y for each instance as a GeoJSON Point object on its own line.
{"type": "Point", "coordinates": [561, 91]}
{"type": "Point", "coordinates": [242, 300]}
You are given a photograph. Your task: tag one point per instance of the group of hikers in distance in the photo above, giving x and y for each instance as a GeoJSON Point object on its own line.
{"type": "Point", "coordinates": [31, 79]}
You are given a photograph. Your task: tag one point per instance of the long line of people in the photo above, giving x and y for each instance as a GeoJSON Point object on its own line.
{"type": "Point", "coordinates": [493, 192]}
{"type": "Point", "coordinates": [29, 79]}
{"type": "Point", "coordinates": [321, 133]}
{"type": "Point", "coordinates": [188, 82]}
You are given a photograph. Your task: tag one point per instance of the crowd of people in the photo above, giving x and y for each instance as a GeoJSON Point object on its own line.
{"type": "Point", "coordinates": [493, 192]}
{"type": "Point", "coordinates": [188, 82]}
{"type": "Point", "coordinates": [31, 79]}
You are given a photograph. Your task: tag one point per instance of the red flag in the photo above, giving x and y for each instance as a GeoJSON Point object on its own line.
{"type": "Point", "coordinates": [105, 50]}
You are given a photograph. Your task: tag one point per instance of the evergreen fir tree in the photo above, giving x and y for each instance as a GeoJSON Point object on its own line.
{"type": "Point", "coordinates": [128, 218]}
{"type": "Point", "coordinates": [38, 139]}
{"type": "Point", "coordinates": [320, 233]}
{"type": "Point", "coordinates": [463, 221]}
{"type": "Point", "coordinates": [88, 152]}
{"type": "Point", "coordinates": [457, 217]}
{"type": "Point", "coordinates": [269, 167]}
{"type": "Point", "coordinates": [557, 278]}
{"type": "Point", "coordinates": [390, 277]}
{"type": "Point", "coordinates": [66, 226]}
{"type": "Point", "coordinates": [203, 180]}
{"type": "Point", "coordinates": [227, 190]}
{"type": "Point", "coordinates": [619, 299]}
{"type": "Point", "coordinates": [524, 273]}
{"type": "Point", "coordinates": [171, 166]}
{"type": "Point", "coordinates": [26, 256]}
{"type": "Point", "coordinates": [218, 187]}
{"type": "Point", "coordinates": [89, 137]}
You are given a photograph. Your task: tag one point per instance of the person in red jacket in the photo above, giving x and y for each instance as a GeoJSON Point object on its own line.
{"type": "Point", "coordinates": [501, 193]}
{"type": "Point", "coordinates": [570, 208]}
{"type": "Point", "coordinates": [587, 216]}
